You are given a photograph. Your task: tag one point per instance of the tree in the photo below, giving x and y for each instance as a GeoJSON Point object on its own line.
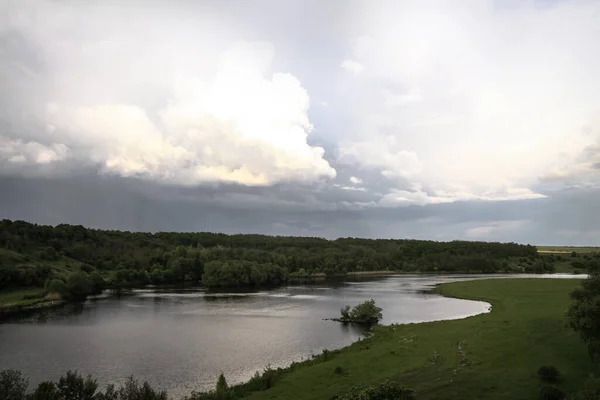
{"type": "Point", "coordinates": [132, 390]}
{"type": "Point", "coordinates": [222, 390]}
{"type": "Point", "coordinates": [345, 311]}
{"type": "Point", "coordinates": [97, 283]}
{"type": "Point", "coordinates": [55, 286]}
{"type": "Point", "coordinates": [366, 313]}
{"type": "Point", "coordinates": [78, 285]}
{"type": "Point", "coordinates": [584, 314]}
{"type": "Point", "coordinates": [46, 390]}
{"type": "Point", "coordinates": [13, 386]}
{"type": "Point", "coordinates": [76, 387]}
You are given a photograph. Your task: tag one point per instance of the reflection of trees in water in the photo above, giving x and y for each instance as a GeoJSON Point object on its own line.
{"type": "Point", "coordinates": [355, 329]}
{"type": "Point", "coordinates": [63, 312]}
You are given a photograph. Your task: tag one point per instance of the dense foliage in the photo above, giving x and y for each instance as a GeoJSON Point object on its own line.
{"type": "Point", "coordinates": [30, 254]}
{"type": "Point", "coordinates": [584, 313]}
{"type": "Point", "coordinates": [366, 313]}
{"type": "Point", "coordinates": [242, 273]}
{"type": "Point", "coordinates": [13, 386]}
{"type": "Point", "coordinates": [590, 390]}
{"type": "Point", "coordinates": [73, 386]}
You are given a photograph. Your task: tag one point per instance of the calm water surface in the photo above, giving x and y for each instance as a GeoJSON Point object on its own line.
{"type": "Point", "coordinates": [180, 340]}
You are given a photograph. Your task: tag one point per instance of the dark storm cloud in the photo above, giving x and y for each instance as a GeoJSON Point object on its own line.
{"type": "Point", "coordinates": [114, 203]}
{"type": "Point", "coordinates": [399, 113]}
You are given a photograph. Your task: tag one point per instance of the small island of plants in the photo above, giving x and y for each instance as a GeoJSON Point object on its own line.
{"type": "Point", "coordinates": [366, 313]}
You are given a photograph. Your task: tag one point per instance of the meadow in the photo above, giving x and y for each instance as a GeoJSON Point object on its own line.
{"type": "Point", "coordinates": [492, 356]}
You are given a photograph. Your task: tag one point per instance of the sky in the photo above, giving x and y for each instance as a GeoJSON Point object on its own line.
{"type": "Point", "coordinates": [436, 119]}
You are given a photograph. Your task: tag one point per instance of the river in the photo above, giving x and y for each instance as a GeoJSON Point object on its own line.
{"type": "Point", "coordinates": [181, 339]}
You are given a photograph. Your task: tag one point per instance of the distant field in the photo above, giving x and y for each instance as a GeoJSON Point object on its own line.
{"type": "Point", "coordinates": [566, 249]}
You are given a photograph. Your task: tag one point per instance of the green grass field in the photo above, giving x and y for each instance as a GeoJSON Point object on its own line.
{"type": "Point", "coordinates": [22, 297]}
{"type": "Point", "coordinates": [490, 356]}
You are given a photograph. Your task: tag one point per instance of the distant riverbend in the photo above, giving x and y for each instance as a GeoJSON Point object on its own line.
{"type": "Point", "coordinates": [181, 339]}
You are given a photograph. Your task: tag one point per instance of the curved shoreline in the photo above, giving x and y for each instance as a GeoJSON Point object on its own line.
{"type": "Point", "coordinates": [489, 298]}
{"type": "Point", "coordinates": [327, 354]}
{"type": "Point", "coordinates": [512, 341]}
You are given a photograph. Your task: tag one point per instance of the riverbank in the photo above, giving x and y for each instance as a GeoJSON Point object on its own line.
{"type": "Point", "coordinates": [27, 301]}
{"type": "Point", "coordinates": [491, 356]}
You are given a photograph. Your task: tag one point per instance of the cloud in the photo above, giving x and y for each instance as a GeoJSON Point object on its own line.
{"type": "Point", "coordinates": [18, 151]}
{"type": "Point", "coordinates": [242, 126]}
{"type": "Point", "coordinates": [467, 114]}
{"type": "Point", "coordinates": [399, 198]}
{"type": "Point", "coordinates": [582, 168]}
{"type": "Point", "coordinates": [352, 66]}
{"type": "Point", "coordinates": [382, 153]}
{"type": "Point", "coordinates": [473, 94]}
{"type": "Point", "coordinates": [493, 228]}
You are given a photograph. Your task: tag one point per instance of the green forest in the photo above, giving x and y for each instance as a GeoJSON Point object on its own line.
{"type": "Point", "coordinates": [80, 260]}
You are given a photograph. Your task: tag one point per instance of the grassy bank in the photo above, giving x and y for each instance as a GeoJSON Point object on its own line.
{"type": "Point", "coordinates": [26, 299]}
{"type": "Point", "coordinates": [491, 356]}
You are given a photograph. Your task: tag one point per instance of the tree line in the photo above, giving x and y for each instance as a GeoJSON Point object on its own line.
{"type": "Point", "coordinates": [74, 386]}
{"type": "Point", "coordinates": [30, 254]}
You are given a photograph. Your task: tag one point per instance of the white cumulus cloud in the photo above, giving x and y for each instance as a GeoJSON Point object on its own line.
{"type": "Point", "coordinates": [352, 66]}
{"type": "Point", "coordinates": [242, 126]}
{"type": "Point", "coordinates": [355, 181]}
{"type": "Point", "coordinates": [474, 94]}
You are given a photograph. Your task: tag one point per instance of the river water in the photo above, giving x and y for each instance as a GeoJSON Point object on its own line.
{"type": "Point", "coordinates": [181, 340]}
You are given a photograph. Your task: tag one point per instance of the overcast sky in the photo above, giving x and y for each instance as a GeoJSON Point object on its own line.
{"type": "Point", "coordinates": [442, 120]}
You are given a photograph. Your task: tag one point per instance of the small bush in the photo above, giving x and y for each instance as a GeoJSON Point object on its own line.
{"type": "Point", "coordinates": [548, 373]}
{"type": "Point", "coordinates": [549, 392]}
{"type": "Point", "coordinates": [366, 313]}
{"type": "Point", "coordinates": [338, 370]}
